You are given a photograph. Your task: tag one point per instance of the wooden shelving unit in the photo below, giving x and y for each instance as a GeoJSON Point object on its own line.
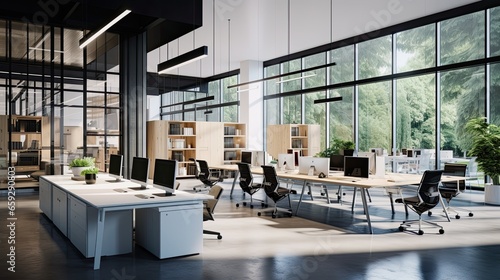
{"type": "Point", "coordinates": [304, 138]}
{"type": "Point", "coordinates": [184, 140]}
{"type": "Point", "coordinates": [26, 141]}
{"type": "Point", "coordinates": [234, 142]}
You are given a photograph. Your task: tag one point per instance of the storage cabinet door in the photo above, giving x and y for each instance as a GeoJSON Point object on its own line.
{"type": "Point", "coordinates": [45, 189]}
{"type": "Point", "coordinates": [60, 210]}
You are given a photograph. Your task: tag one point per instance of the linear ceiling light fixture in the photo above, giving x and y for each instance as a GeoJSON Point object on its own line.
{"type": "Point", "coordinates": [94, 34]}
{"type": "Point", "coordinates": [294, 79]}
{"type": "Point", "coordinates": [248, 89]}
{"type": "Point", "coordinates": [284, 75]}
{"type": "Point", "coordinates": [326, 100]}
{"type": "Point", "coordinates": [183, 59]}
{"type": "Point", "coordinates": [208, 98]}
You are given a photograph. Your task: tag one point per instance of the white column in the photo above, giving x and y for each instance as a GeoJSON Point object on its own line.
{"type": "Point", "coordinates": [252, 103]}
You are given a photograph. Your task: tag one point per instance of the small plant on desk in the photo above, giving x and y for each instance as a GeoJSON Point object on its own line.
{"type": "Point", "coordinates": [90, 174]}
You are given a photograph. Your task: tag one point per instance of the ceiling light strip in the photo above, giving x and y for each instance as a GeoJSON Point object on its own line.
{"type": "Point", "coordinates": [294, 79]}
{"type": "Point", "coordinates": [326, 100]}
{"type": "Point", "coordinates": [93, 35]}
{"type": "Point", "coordinates": [284, 75]}
{"type": "Point", "coordinates": [183, 59]}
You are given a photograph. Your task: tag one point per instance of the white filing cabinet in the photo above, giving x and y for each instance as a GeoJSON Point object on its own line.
{"type": "Point", "coordinates": [60, 210]}
{"type": "Point", "coordinates": [83, 226]}
{"type": "Point", "coordinates": [171, 231]}
{"type": "Point", "coordinates": [45, 200]}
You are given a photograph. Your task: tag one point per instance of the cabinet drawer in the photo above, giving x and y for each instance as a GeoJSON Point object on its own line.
{"type": "Point", "coordinates": [78, 213]}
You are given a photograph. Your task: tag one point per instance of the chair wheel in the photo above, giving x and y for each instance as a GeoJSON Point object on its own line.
{"type": "Point", "coordinates": [237, 205]}
{"type": "Point", "coordinates": [322, 194]}
{"type": "Point", "coordinates": [258, 214]}
{"type": "Point", "coordinates": [420, 232]}
{"type": "Point", "coordinates": [401, 228]}
{"type": "Point", "coordinates": [219, 237]}
{"type": "Point", "coordinates": [471, 214]}
{"type": "Point", "coordinates": [263, 204]}
{"type": "Point", "coordinates": [273, 216]}
{"type": "Point", "coordinates": [251, 206]}
{"type": "Point", "coordinates": [457, 217]}
{"type": "Point", "coordinates": [441, 231]}
{"type": "Point", "coordinates": [244, 204]}
{"type": "Point", "coordinates": [429, 213]}
{"type": "Point", "coordinates": [290, 215]}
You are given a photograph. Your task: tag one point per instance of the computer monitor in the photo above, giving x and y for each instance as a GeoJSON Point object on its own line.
{"type": "Point", "coordinates": [287, 161]}
{"type": "Point", "coordinates": [371, 158]}
{"type": "Point", "coordinates": [356, 167]}
{"type": "Point", "coordinates": [336, 162]}
{"type": "Point", "coordinates": [316, 165]}
{"type": "Point", "coordinates": [246, 157]}
{"type": "Point", "coordinates": [140, 172]}
{"type": "Point", "coordinates": [378, 151]}
{"type": "Point", "coordinates": [115, 167]}
{"type": "Point", "coordinates": [165, 176]}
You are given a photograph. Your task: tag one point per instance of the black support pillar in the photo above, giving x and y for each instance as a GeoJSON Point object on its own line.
{"type": "Point", "coordinates": [133, 61]}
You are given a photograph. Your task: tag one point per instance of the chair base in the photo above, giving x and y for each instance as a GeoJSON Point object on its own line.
{"type": "Point", "coordinates": [251, 203]}
{"type": "Point", "coordinates": [407, 224]}
{"type": "Point", "coordinates": [274, 212]}
{"type": "Point", "coordinates": [213, 233]}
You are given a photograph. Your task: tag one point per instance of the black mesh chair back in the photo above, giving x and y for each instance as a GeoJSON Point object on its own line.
{"type": "Point", "coordinates": [429, 186]}
{"type": "Point", "coordinates": [274, 191]}
{"type": "Point", "coordinates": [204, 174]}
{"type": "Point", "coordinates": [246, 177]}
{"type": "Point", "coordinates": [455, 169]}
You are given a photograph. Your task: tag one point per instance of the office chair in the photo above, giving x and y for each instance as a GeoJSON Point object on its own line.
{"type": "Point", "coordinates": [247, 184]}
{"type": "Point", "coordinates": [274, 191]}
{"type": "Point", "coordinates": [209, 206]}
{"type": "Point", "coordinates": [427, 198]}
{"type": "Point", "coordinates": [449, 190]}
{"type": "Point", "coordinates": [205, 176]}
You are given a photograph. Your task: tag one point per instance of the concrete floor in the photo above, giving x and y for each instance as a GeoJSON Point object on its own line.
{"type": "Point", "coordinates": [326, 241]}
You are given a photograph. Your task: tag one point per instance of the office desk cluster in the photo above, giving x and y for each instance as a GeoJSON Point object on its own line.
{"type": "Point", "coordinates": [390, 181]}
{"type": "Point", "coordinates": [98, 218]}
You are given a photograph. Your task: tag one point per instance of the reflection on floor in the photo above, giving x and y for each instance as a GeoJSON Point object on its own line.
{"type": "Point", "coordinates": [326, 241]}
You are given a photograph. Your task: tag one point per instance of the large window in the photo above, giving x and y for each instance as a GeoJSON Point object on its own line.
{"type": "Point", "coordinates": [410, 87]}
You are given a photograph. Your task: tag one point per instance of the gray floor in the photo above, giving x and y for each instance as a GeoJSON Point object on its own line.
{"type": "Point", "coordinates": [326, 241]}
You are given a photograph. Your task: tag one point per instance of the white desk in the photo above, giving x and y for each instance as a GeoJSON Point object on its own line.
{"type": "Point", "coordinates": [393, 180]}
{"type": "Point", "coordinates": [57, 190]}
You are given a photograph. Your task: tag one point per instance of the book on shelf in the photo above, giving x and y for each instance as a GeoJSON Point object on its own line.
{"type": "Point", "coordinates": [230, 155]}
{"type": "Point", "coordinates": [295, 131]}
{"type": "Point", "coordinates": [175, 129]}
{"type": "Point", "coordinates": [228, 142]}
{"type": "Point", "coordinates": [178, 156]}
{"type": "Point", "coordinates": [229, 130]}
{"type": "Point", "coordinates": [297, 144]}
{"type": "Point", "coordinates": [188, 131]}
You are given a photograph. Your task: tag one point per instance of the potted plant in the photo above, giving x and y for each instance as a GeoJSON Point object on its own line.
{"type": "Point", "coordinates": [336, 147]}
{"type": "Point", "coordinates": [77, 165]}
{"type": "Point", "coordinates": [486, 147]}
{"type": "Point", "coordinates": [90, 174]}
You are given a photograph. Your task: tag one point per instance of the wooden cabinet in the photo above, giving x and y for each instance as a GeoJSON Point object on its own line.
{"type": "Point", "coordinates": [26, 141]}
{"type": "Point", "coordinates": [183, 141]}
{"type": "Point", "coordinates": [302, 137]}
{"type": "Point", "coordinates": [234, 142]}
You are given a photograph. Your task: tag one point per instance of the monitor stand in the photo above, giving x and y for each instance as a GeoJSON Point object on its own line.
{"type": "Point", "coordinates": [138, 188]}
{"type": "Point", "coordinates": [116, 180]}
{"type": "Point", "coordinates": [165, 194]}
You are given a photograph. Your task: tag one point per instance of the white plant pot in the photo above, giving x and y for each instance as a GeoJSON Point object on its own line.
{"type": "Point", "coordinates": [77, 171]}
{"type": "Point", "coordinates": [492, 194]}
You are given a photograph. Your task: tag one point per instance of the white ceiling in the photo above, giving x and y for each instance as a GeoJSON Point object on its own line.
{"type": "Point", "coordinates": [259, 28]}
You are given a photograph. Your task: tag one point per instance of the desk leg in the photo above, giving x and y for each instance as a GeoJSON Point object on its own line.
{"type": "Point", "coordinates": [353, 199]}
{"type": "Point", "coordinates": [365, 206]}
{"type": "Point", "coordinates": [300, 199]}
{"type": "Point", "coordinates": [236, 174]}
{"type": "Point", "coordinates": [99, 238]}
